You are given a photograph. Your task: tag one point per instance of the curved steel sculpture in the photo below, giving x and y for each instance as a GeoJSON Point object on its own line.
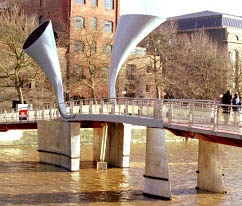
{"type": "Point", "coordinates": [40, 45]}
{"type": "Point", "coordinates": [131, 29]}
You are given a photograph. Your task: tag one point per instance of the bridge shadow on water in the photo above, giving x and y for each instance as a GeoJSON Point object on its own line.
{"type": "Point", "coordinates": [28, 166]}
{"type": "Point", "coordinates": [33, 166]}
{"type": "Point", "coordinates": [75, 198]}
{"type": "Point", "coordinates": [94, 197]}
{"type": "Point", "coordinates": [61, 198]}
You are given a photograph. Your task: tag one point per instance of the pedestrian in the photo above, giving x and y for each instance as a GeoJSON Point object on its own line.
{"type": "Point", "coordinates": [226, 100]}
{"type": "Point", "coordinates": [236, 103]}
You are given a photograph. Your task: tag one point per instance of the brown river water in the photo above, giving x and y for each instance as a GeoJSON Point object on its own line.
{"type": "Point", "coordinates": [24, 181]}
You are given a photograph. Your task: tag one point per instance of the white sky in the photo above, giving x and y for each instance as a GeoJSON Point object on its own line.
{"type": "Point", "coordinates": [170, 8]}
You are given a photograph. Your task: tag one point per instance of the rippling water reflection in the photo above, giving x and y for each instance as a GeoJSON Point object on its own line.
{"type": "Point", "coordinates": [23, 181]}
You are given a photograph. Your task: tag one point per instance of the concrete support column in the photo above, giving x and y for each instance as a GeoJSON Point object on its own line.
{"type": "Point", "coordinates": [210, 177]}
{"type": "Point", "coordinates": [119, 139]}
{"type": "Point", "coordinates": [117, 145]}
{"type": "Point", "coordinates": [97, 140]}
{"type": "Point", "coordinates": [59, 143]}
{"type": "Point", "coordinates": [157, 182]}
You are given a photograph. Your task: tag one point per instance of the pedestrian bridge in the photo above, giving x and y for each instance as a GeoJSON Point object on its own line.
{"type": "Point", "coordinates": [59, 141]}
{"type": "Point", "coordinates": [202, 116]}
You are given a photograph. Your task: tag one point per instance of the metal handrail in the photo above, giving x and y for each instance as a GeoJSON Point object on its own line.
{"type": "Point", "coordinates": [205, 114]}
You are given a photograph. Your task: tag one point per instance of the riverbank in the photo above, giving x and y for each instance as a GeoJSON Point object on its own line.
{"type": "Point", "coordinates": [30, 138]}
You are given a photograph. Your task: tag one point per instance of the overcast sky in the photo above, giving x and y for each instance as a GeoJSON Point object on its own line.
{"type": "Point", "coordinates": [170, 8]}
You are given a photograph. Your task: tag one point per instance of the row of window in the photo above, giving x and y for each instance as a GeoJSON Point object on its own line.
{"type": "Point", "coordinates": [108, 4]}
{"type": "Point", "coordinates": [131, 87]}
{"type": "Point", "coordinates": [131, 71]}
{"type": "Point", "coordinates": [26, 83]}
{"type": "Point", "coordinates": [80, 46]}
{"type": "Point", "coordinates": [78, 72]}
{"type": "Point", "coordinates": [79, 22]}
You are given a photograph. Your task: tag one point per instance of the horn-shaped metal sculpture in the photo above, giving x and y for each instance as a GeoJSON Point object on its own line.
{"type": "Point", "coordinates": [40, 45]}
{"type": "Point", "coordinates": [131, 29]}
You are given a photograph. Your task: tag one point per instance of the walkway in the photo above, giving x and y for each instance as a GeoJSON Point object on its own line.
{"type": "Point", "coordinates": [188, 115]}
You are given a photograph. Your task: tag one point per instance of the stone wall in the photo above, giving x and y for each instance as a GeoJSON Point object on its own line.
{"type": "Point", "coordinates": [29, 137]}
{"type": "Point", "coordinates": [18, 137]}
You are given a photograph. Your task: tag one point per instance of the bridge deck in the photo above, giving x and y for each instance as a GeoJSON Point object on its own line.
{"type": "Point", "coordinates": [203, 117]}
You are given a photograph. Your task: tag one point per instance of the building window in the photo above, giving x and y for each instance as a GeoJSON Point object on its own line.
{"type": "Point", "coordinates": [47, 84]}
{"type": "Point", "coordinates": [80, 1]}
{"type": "Point", "coordinates": [149, 69]}
{"type": "Point", "coordinates": [108, 4]}
{"type": "Point", "coordinates": [94, 3]}
{"type": "Point", "coordinates": [93, 24]}
{"type": "Point", "coordinates": [41, 19]}
{"type": "Point", "coordinates": [104, 74]}
{"type": "Point", "coordinates": [93, 47]}
{"type": "Point", "coordinates": [129, 90]}
{"type": "Point", "coordinates": [107, 49]}
{"type": "Point", "coordinates": [77, 68]}
{"type": "Point", "coordinates": [108, 26]}
{"type": "Point", "coordinates": [130, 71]}
{"type": "Point", "coordinates": [42, 3]}
{"type": "Point", "coordinates": [25, 83]}
{"type": "Point", "coordinates": [147, 88]}
{"type": "Point", "coordinates": [78, 72]}
{"type": "Point", "coordinates": [79, 22]}
{"type": "Point", "coordinates": [78, 46]}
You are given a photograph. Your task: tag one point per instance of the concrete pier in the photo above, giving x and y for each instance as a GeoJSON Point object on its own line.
{"type": "Point", "coordinates": [117, 147]}
{"type": "Point", "coordinates": [119, 136]}
{"type": "Point", "coordinates": [59, 143]}
{"type": "Point", "coordinates": [157, 182]}
{"type": "Point", "coordinates": [210, 175]}
{"type": "Point", "coordinates": [97, 139]}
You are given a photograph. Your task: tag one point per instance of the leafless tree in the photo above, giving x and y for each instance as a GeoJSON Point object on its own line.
{"type": "Point", "coordinates": [159, 45]}
{"type": "Point", "coordinates": [185, 65]}
{"type": "Point", "coordinates": [236, 60]}
{"type": "Point", "coordinates": [17, 70]}
{"type": "Point", "coordinates": [199, 68]}
{"type": "Point", "coordinates": [90, 59]}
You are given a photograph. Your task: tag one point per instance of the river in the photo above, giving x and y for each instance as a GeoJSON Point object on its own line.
{"type": "Point", "coordinates": [24, 181]}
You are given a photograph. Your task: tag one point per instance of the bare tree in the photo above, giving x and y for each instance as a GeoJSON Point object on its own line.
{"type": "Point", "coordinates": [199, 68]}
{"type": "Point", "coordinates": [182, 65]}
{"type": "Point", "coordinates": [16, 68]}
{"type": "Point", "coordinates": [236, 61]}
{"type": "Point", "coordinates": [90, 60]}
{"type": "Point", "coordinates": [159, 45]}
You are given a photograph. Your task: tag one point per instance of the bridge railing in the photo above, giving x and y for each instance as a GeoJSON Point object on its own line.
{"type": "Point", "coordinates": [203, 114]}
{"type": "Point", "coordinates": [33, 114]}
{"type": "Point", "coordinates": [149, 108]}
{"type": "Point", "coordinates": [188, 113]}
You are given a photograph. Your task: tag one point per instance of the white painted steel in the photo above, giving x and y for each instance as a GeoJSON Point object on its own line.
{"type": "Point", "coordinates": [40, 45]}
{"type": "Point", "coordinates": [131, 29]}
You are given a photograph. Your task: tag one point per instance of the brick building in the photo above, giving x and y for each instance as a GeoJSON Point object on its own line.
{"type": "Point", "coordinates": [69, 18]}
{"type": "Point", "coordinates": [72, 17]}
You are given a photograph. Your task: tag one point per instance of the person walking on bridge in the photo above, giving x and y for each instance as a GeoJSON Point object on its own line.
{"type": "Point", "coordinates": [236, 103]}
{"type": "Point", "coordinates": [226, 100]}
